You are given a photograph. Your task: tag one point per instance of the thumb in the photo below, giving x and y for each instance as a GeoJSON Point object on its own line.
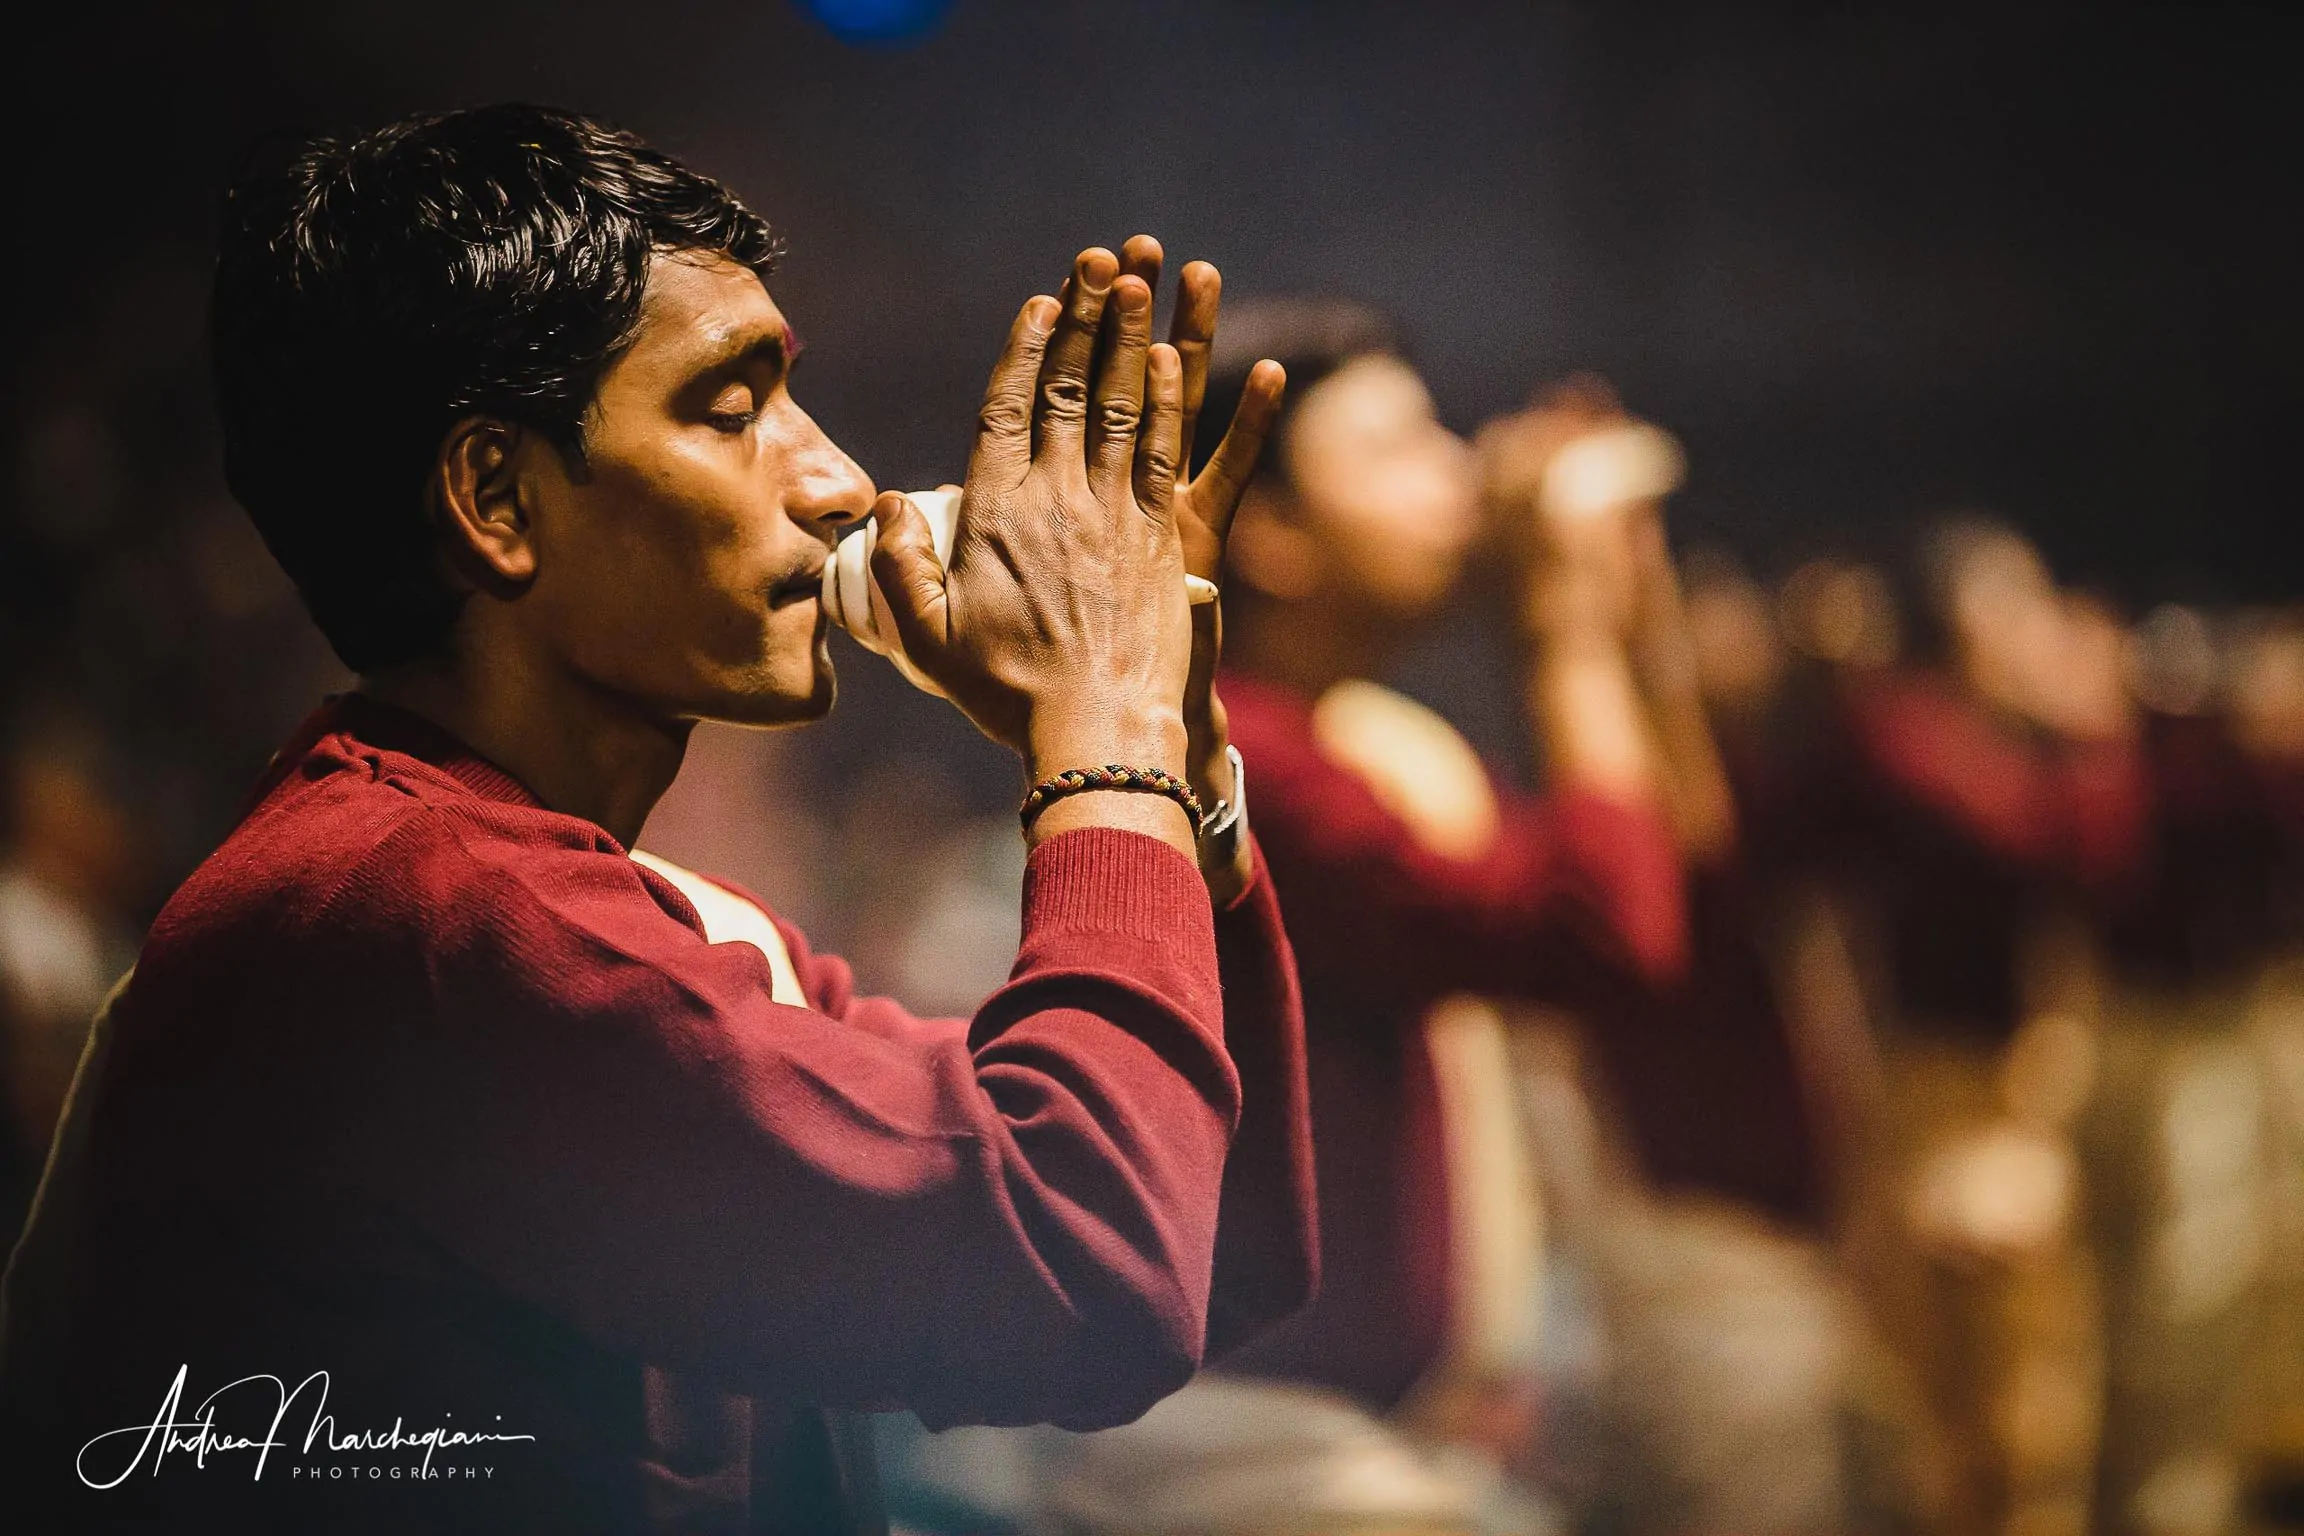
{"type": "Point", "coordinates": [909, 577]}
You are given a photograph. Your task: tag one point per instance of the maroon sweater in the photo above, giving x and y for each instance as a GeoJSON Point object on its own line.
{"type": "Point", "coordinates": [1950, 832]}
{"type": "Point", "coordinates": [424, 1085]}
{"type": "Point", "coordinates": [1580, 901]}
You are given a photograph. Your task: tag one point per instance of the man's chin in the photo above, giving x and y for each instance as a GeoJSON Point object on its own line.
{"type": "Point", "coordinates": [778, 701]}
{"type": "Point", "coordinates": [822, 696]}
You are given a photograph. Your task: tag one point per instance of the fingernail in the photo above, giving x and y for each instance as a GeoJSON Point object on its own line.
{"type": "Point", "coordinates": [1131, 293]}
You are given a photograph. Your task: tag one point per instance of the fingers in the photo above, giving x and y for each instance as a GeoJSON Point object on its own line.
{"type": "Point", "coordinates": [910, 577]}
{"type": "Point", "coordinates": [1004, 424]}
{"type": "Point", "coordinates": [1158, 459]}
{"type": "Point", "coordinates": [1233, 465]}
{"type": "Point", "coordinates": [1060, 411]}
{"type": "Point", "coordinates": [1193, 333]}
{"type": "Point", "coordinates": [1193, 328]}
{"type": "Point", "coordinates": [1117, 408]}
{"type": "Point", "coordinates": [1140, 256]}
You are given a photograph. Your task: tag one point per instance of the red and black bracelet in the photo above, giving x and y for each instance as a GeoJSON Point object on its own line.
{"type": "Point", "coordinates": [1076, 781]}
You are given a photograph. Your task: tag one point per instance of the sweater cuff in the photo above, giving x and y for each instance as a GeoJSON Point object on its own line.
{"type": "Point", "coordinates": [1105, 880]}
{"type": "Point", "coordinates": [1625, 853]}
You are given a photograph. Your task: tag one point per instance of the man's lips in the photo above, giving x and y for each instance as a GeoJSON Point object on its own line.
{"type": "Point", "coordinates": [800, 586]}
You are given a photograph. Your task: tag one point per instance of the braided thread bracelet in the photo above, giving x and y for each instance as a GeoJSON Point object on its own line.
{"type": "Point", "coordinates": [1079, 781]}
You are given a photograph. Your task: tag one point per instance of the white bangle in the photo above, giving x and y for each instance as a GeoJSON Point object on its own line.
{"type": "Point", "coordinates": [1225, 818]}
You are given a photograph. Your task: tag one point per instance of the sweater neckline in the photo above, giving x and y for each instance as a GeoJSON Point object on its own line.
{"type": "Point", "coordinates": [396, 729]}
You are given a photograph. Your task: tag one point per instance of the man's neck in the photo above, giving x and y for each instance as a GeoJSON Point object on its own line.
{"type": "Point", "coordinates": [578, 748]}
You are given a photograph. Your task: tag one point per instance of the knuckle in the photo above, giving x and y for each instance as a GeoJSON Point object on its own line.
{"type": "Point", "coordinates": [1119, 416]}
{"type": "Point", "coordinates": [1064, 398]}
{"type": "Point", "coordinates": [1159, 466]}
{"type": "Point", "coordinates": [1003, 418]}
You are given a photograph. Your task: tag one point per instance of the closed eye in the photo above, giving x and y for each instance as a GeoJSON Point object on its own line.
{"type": "Point", "coordinates": [731, 392]}
{"type": "Point", "coordinates": [734, 410]}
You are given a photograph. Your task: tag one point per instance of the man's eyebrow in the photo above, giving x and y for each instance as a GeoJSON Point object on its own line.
{"type": "Point", "coordinates": [780, 347]}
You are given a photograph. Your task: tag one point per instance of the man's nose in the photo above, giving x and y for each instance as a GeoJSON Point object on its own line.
{"type": "Point", "coordinates": [831, 490]}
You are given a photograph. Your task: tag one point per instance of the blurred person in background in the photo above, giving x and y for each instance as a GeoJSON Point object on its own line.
{"type": "Point", "coordinates": [2194, 1160]}
{"type": "Point", "coordinates": [1430, 905]}
{"type": "Point", "coordinates": [1741, 660]}
{"type": "Point", "coordinates": [2262, 693]}
{"type": "Point", "coordinates": [69, 889]}
{"type": "Point", "coordinates": [2029, 880]}
{"type": "Point", "coordinates": [425, 1089]}
{"type": "Point", "coordinates": [1682, 1131]}
{"type": "Point", "coordinates": [1950, 836]}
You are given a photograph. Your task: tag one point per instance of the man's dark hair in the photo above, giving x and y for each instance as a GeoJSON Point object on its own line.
{"type": "Point", "coordinates": [1309, 336]}
{"type": "Point", "coordinates": [373, 291]}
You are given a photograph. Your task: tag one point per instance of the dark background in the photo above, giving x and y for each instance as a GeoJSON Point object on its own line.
{"type": "Point", "coordinates": [1868, 266]}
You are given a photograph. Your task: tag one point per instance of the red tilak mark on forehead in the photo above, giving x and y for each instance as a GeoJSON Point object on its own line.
{"type": "Point", "coordinates": [793, 345]}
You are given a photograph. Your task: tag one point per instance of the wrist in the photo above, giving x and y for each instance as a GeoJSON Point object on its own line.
{"type": "Point", "coordinates": [1152, 815]}
{"type": "Point", "coordinates": [1566, 633]}
{"type": "Point", "coordinates": [1128, 737]}
{"type": "Point", "coordinates": [1663, 660]}
{"type": "Point", "coordinates": [1590, 724]}
{"type": "Point", "coordinates": [1566, 606]}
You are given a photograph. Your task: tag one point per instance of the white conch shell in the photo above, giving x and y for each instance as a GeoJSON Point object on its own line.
{"type": "Point", "coordinates": [854, 600]}
{"type": "Point", "coordinates": [1600, 470]}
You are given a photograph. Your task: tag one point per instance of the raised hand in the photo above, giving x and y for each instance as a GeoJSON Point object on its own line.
{"type": "Point", "coordinates": [1577, 483]}
{"type": "Point", "coordinates": [1206, 502]}
{"type": "Point", "coordinates": [1060, 625]}
{"type": "Point", "coordinates": [1579, 549]}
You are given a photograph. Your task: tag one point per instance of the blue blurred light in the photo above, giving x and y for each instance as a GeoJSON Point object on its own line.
{"type": "Point", "coordinates": [877, 21]}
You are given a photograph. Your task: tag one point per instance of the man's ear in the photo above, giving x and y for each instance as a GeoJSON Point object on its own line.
{"type": "Point", "coordinates": [1269, 549]}
{"type": "Point", "coordinates": [476, 493]}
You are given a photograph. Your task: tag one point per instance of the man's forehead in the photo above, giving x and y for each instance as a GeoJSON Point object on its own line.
{"type": "Point", "coordinates": [705, 305]}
